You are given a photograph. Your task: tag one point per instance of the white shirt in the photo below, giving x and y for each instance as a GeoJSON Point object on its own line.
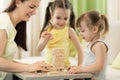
{"type": "Point", "coordinates": [11, 47]}
{"type": "Point", "coordinates": [90, 58]}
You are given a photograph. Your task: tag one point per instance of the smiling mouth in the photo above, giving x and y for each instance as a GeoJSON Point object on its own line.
{"type": "Point", "coordinates": [83, 37]}
{"type": "Point", "coordinates": [61, 25]}
{"type": "Point", "coordinates": [28, 15]}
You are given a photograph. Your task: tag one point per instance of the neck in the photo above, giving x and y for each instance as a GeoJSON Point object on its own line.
{"type": "Point", "coordinates": [95, 38]}
{"type": "Point", "coordinates": [14, 18]}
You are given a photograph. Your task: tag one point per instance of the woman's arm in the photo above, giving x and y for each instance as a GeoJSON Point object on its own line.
{"type": "Point", "coordinates": [9, 66]}
{"type": "Point", "coordinates": [76, 42]}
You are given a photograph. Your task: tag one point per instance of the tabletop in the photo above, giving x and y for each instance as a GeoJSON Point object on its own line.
{"type": "Point", "coordinates": [51, 76]}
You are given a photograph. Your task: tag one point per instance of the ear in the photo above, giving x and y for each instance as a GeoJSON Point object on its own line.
{"type": "Point", "coordinates": [18, 2]}
{"type": "Point", "coordinates": [95, 29]}
{"type": "Point", "coordinates": [51, 13]}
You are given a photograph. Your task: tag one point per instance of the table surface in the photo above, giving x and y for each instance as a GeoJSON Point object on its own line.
{"type": "Point", "coordinates": [47, 76]}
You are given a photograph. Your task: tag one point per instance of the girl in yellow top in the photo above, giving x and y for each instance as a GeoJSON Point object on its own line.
{"type": "Point", "coordinates": [58, 29]}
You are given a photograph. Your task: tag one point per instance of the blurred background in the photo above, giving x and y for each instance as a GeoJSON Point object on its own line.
{"type": "Point", "coordinates": [110, 8]}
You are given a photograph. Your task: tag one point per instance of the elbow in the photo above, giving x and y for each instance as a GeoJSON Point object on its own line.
{"type": "Point", "coordinates": [38, 49]}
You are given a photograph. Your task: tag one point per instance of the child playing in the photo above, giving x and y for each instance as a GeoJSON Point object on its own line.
{"type": "Point", "coordinates": [93, 27]}
{"type": "Point", "coordinates": [58, 29]}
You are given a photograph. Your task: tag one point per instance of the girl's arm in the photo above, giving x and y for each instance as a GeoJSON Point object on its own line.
{"type": "Point", "coordinates": [75, 40]}
{"type": "Point", "coordinates": [45, 37]}
{"type": "Point", "coordinates": [9, 66]}
{"type": "Point", "coordinates": [100, 51]}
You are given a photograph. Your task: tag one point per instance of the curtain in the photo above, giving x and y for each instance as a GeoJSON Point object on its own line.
{"type": "Point", "coordinates": [33, 30]}
{"type": "Point", "coordinates": [81, 6]}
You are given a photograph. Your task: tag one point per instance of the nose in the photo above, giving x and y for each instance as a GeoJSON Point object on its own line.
{"type": "Point", "coordinates": [62, 22]}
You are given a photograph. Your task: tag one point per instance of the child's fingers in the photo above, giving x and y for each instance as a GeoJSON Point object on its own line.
{"type": "Point", "coordinates": [70, 67]}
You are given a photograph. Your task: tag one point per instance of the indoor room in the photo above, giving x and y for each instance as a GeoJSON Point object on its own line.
{"type": "Point", "coordinates": [109, 8]}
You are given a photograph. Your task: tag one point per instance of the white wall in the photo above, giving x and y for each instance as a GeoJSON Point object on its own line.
{"type": "Point", "coordinates": [113, 9]}
{"type": "Point", "coordinates": [113, 40]}
{"type": "Point", "coordinates": [4, 4]}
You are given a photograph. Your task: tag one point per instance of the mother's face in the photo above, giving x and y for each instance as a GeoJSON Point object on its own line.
{"type": "Point", "coordinates": [27, 8]}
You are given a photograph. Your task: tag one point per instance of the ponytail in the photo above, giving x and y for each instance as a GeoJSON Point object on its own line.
{"type": "Point", "coordinates": [72, 19]}
{"type": "Point", "coordinates": [106, 25]}
{"type": "Point", "coordinates": [47, 16]}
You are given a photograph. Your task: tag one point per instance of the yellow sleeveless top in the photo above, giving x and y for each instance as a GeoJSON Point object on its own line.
{"type": "Point", "coordinates": [60, 40]}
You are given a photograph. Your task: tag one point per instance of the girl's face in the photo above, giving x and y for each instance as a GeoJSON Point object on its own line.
{"type": "Point", "coordinates": [60, 17]}
{"type": "Point", "coordinates": [86, 33]}
{"type": "Point", "coordinates": [27, 8]}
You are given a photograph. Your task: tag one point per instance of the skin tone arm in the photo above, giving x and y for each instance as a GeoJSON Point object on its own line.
{"type": "Point", "coordinates": [45, 37]}
{"type": "Point", "coordinates": [10, 66]}
{"type": "Point", "coordinates": [76, 42]}
{"type": "Point", "coordinates": [100, 51]}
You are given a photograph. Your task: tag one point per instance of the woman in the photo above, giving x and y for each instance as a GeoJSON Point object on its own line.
{"type": "Point", "coordinates": [13, 34]}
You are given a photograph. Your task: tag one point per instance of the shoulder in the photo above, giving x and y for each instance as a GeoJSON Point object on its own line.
{"type": "Point", "coordinates": [72, 33]}
{"type": "Point", "coordinates": [6, 24]}
{"type": "Point", "coordinates": [4, 18]}
{"type": "Point", "coordinates": [71, 30]}
{"type": "Point", "coordinates": [100, 45]}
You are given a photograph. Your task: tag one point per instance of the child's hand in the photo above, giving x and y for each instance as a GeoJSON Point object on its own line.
{"type": "Point", "coordinates": [46, 35]}
{"type": "Point", "coordinates": [74, 69]}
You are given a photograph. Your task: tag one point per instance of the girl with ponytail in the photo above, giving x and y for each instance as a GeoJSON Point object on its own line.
{"type": "Point", "coordinates": [58, 29]}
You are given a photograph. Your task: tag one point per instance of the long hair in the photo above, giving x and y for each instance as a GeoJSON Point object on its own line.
{"type": "Point", "coordinates": [20, 38]}
{"type": "Point", "coordinates": [65, 4]}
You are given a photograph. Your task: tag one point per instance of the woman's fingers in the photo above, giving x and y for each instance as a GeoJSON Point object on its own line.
{"type": "Point", "coordinates": [44, 66]}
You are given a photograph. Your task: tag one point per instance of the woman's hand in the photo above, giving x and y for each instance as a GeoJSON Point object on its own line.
{"type": "Point", "coordinates": [39, 66]}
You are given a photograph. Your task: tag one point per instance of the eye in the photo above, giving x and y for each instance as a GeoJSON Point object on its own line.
{"type": "Point", "coordinates": [65, 18]}
{"type": "Point", "coordinates": [82, 30]}
{"type": "Point", "coordinates": [32, 7]}
{"type": "Point", "coordinates": [58, 17]}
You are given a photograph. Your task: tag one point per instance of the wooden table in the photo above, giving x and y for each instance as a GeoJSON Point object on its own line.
{"type": "Point", "coordinates": [45, 76]}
